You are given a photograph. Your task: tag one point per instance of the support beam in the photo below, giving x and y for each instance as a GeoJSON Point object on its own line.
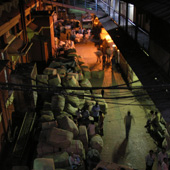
{"type": "Point", "coordinates": [127, 11]}
{"type": "Point", "coordinates": [119, 12]}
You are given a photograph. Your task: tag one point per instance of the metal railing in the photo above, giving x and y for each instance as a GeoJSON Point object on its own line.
{"type": "Point", "coordinates": [142, 37]}
{"type": "Point", "coordinates": [85, 4]}
{"type": "Point", "coordinates": [24, 134]}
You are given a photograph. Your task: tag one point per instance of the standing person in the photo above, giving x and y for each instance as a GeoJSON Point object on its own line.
{"type": "Point", "coordinates": [79, 115]}
{"type": "Point", "coordinates": [150, 158]}
{"type": "Point", "coordinates": [68, 35]}
{"type": "Point", "coordinates": [104, 44]}
{"type": "Point", "coordinates": [161, 155]}
{"type": "Point", "coordinates": [80, 30]}
{"type": "Point", "coordinates": [155, 121]}
{"type": "Point", "coordinates": [89, 33]}
{"type": "Point", "coordinates": [84, 32]}
{"type": "Point", "coordinates": [99, 54]}
{"type": "Point", "coordinates": [113, 62]}
{"type": "Point", "coordinates": [91, 128]}
{"type": "Point", "coordinates": [127, 120]}
{"type": "Point", "coordinates": [74, 161]}
{"type": "Point", "coordinates": [102, 92]}
{"type": "Point", "coordinates": [109, 53]}
{"type": "Point", "coordinates": [85, 113]}
{"type": "Point", "coordinates": [101, 122]}
{"type": "Point", "coordinates": [165, 164]}
{"type": "Point", "coordinates": [95, 112]}
{"type": "Point", "coordinates": [149, 121]}
{"type": "Point", "coordinates": [84, 35]}
{"type": "Point", "coordinates": [104, 61]}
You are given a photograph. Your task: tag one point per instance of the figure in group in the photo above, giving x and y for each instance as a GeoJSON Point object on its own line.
{"type": "Point", "coordinates": [150, 158]}
{"type": "Point", "coordinates": [101, 123]}
{"type": "Point", "coordinates": [78, 115]}
{"type": "Point", "coordinates": [85, 113]}
{"type": "Point", "coordinates": [104, 61]}
{"type": "Point", "coordinates": [91, 128]}
{"type": "Point", "coordinates": [165, 164]}
{"type": "Point", "coordinates": [113, 62]}
{"type": "Point", "coordinates": [95, 112]}
{"type": "Point", "coordinates": [99, 54]}
{"type": "Point", "coordinates": [109, 54]}
{"type": "Point", "coordinates": [149, 121]}
{"type": "Point", "coordinates": [75, 161]}
{"type": "Point", "coordinates": [161, 158]}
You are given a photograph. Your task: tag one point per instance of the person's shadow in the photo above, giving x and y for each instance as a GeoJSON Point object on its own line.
{"type": "Point", "coordinates": [120, 152]}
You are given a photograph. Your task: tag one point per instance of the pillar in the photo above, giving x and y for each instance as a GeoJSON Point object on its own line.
{"type": "Point", "coordinates": [127, 12]}
{"type": "Point", "coordinates": [119, 12]}
{"type": "Point", "coordinates": [136, 27]}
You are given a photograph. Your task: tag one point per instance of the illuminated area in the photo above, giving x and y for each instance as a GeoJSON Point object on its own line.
{"type": "Point", "coordinates": [71, 76]}
{"type": "Point", "coordinates": [96, 21]}
{"type": "Point", "coordinates": [131, 12]}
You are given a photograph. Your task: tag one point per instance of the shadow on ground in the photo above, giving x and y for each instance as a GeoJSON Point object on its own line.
{"type": "Point", "coordinates": [120, 152]}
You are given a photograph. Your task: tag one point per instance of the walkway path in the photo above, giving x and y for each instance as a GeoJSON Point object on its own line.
{"type": "Point", "coordinates": [127, 152]}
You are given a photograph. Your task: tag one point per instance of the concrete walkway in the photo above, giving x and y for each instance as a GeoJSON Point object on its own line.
{"type": "Point", "coordinates": [116, 149]}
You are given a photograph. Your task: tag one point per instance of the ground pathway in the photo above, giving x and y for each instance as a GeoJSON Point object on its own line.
{"type": "Point", "coordinates": [116, 149]}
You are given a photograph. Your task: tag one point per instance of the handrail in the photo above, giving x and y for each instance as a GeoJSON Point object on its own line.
{"type": "Point", "coordinates": [26, 129]}
{"type": "Point", "coordinates": [106, 4]}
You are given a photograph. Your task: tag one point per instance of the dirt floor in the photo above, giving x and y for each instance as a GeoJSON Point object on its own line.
{"type": "Point", "coordinates": [116, 148]}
